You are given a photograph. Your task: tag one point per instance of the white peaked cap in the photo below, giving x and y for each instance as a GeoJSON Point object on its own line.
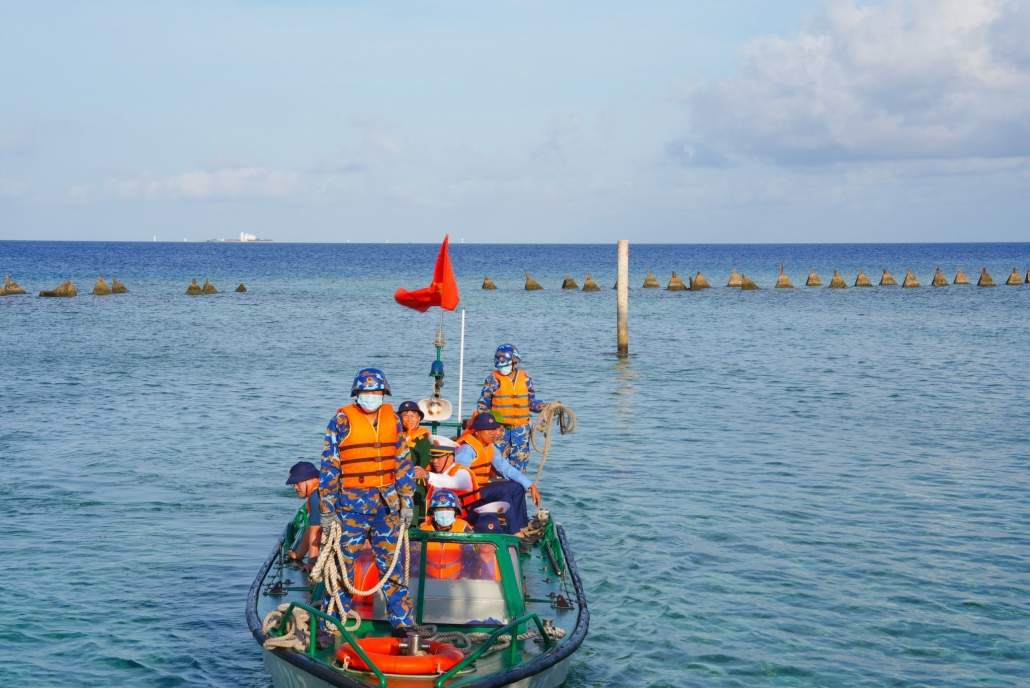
{"type": "Point", "coordinates": [442, 442]}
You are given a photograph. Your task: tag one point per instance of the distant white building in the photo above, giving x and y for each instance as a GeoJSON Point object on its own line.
{"type": "Point", "coordinates": [247, 237]}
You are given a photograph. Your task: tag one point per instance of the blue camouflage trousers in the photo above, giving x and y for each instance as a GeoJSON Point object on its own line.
{"type": "Point", "coordinates": [514, 446]}
{"type": "Point", "coordinates": [382, 530]}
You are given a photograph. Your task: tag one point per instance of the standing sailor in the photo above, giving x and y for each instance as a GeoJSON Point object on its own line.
{"type": "Point", "coordinates": [367, 481]}
{"type": "Point", "coordinates": [509, 392]}
{"type": "Point", "coordinates": [417, 439]}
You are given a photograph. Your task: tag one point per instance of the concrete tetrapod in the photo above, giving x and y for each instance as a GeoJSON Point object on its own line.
{"type": "Point", "coordinates": [862, 280]}
{"type": "Point", "coordinates": [748, 285]}
{"type": "Point", "coordinates": [1014, 278]}
{"type": "Point", "coordinates": [569, 283]}
{"type": "Point", "coordinates": [699, 282]}
{"type": "Point", "coordinates": [675, 283]}
{"type": "Point", "coordinates": [532, 284]}
{"type": "Point", "coordinates": [650, 282]}
{"type": "Point", "coordinates": [2, 292]}
{"type": "Point", "coordinates": [939, 280]}
{"type": "Point", "coordinates": [735, 280]}
{"type": "Point", "coordinates": [67, 289]}
{"type": "Point", "coordinates": [193, 289]}
{"type": "Point", "coordinates": [783, 282]}
{"type": "Point", "coordinates": [488, 283]}
{"type": "Point", "coordinates": [242, 288]}
{"type": "Point", "coordinates": [985, 280]}
{"type": "Point", "coordinates": [1028, 275]}
{"type": "Point", "coordinates": [101, 288]}
{"type": "Point", "coordinates": [208, 287]}
{"type": "Point", "coordinates": [12, 288]}
{"type": "Point", "coordinates": [589, 284]}
{"type": "Point", "coordinates": [837, 282]}
{"type": "Point", "coordinates": [813, 280]}
{"type": "Point", "coordinates": [960, 277]}
{"type": "Point", "coordinates": [117, 287]}
{"type": "Point", "coordinates": [887, 280]}
{"type": "Point", "coordinates": [910, 281]}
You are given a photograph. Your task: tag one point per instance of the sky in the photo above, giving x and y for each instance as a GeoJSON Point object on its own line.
{"type": "Point", "coordinates": [665, 122]}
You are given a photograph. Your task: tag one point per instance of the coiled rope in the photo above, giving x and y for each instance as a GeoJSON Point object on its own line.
{"type": "Point", "coordinates": [469, 639]}
{"type": "Point", "coordinates": [566, 424]}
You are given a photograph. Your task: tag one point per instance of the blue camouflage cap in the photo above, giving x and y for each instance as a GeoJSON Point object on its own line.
{"type": "Point", "coordinates": [370, 380]}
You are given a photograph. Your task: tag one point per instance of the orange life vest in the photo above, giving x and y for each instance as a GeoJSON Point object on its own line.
{"type": "Point", "coordinates": [464, 496]}
{"type": "Point", "coordinates": [413, 436]}
{"type": "Point", "coordinates": [443, 559]}
{"type": "Point", "coordinates": [481, 465]}
{"type": "Point", "coordinates": [368, 454]}
{"type": "Point", "coordinates": [511, 399]}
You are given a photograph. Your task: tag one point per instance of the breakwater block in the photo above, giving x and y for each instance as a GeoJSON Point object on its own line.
{"type": "Point", "coordinates": [1014, 278]}
{"type": "Point", "coordinates": [650, 282]}
{"type": "Point", "coordinates": [748, 285]}
{"type": "Point", "coordinates": [985, 280]}
{"type": "Point", "coordinates": [67, 289]}
{"type": "Point", "coordinates": [939, 280]}
{"type": "Point", "coordinates": [910, 281]}
{"type": "Point", "coordinates": [699, 282]}
{"type": "Point", "coordinates": [1028, 275]}
{"type": "Point", "coordinates": [193, 289]}
{"type": "Point", "coordinates": [837, 282]}
{"type": "Point", "coordinates": [12, 288]}
{"type": "Point", "coordinates": [887, 280]}
{"type": "Point", "coordinates": [532, 284]}
{"type": "Point", "coordinates": [960, 278]}
{"type": "Point", "coordinates": [813, 280]}
{"type": "Point", "coordinates": [675, 283]}
{"type": "Point", "coordinates": [101, 288]}
{"type": "Point", "coordinates": [242, 288]}
{"type": "Point", "coordinates": [569, 283]}
{"type": "Point", "coordinates": [589, 284]}
{"type": "Point", "coordinates": [862, 280]}
{"type": "Point", "coordinates": [783, 282]}
{"type": "Point", "coordinates": [117, 287]}
{"type": "Point", "coordinates": [208, 287]}
{"type": "Point", "coordinates": [2, 292]}
{"type": "Point", "coordinates": [735, 280]}
{"type": "Point", "coordinates": [488, 283]}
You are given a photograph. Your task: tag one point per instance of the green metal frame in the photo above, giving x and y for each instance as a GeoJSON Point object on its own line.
{"type": "Point", "coordinates": [511, 628]}
{"type": "Point", "coordinates": [509, 577]}
{"type": "Point", "coordinates": [348, 638]}
{"type": "Point", "coordinates": [553, 548]}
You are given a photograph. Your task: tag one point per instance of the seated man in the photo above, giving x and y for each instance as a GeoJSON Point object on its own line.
{"type": "Point", "coordinates": [443, 559]}
{"type": "Point", "coordinates": [304, 478]}
{"type": "Point", "coordinates": [496, 478]}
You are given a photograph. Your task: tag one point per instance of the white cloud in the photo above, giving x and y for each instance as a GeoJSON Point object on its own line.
{"type": "Point", "coordinates": [901, 80]}
{"type": "Point", "coordinates": [203, 185]}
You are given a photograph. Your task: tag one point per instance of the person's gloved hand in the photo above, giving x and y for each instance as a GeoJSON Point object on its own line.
{"type": "Point", "coordinates": [407, 516]}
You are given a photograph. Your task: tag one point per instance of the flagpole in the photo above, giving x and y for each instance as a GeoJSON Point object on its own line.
{"type": "Point", "coordinates": [461, 366]}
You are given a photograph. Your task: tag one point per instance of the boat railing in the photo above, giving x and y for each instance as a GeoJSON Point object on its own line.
{"type": "Point", "coordinates": [553, 548]}
{"type": "Point", "coordinates": [511, 628]}
{"type": "Point", "coordinates": [344, 633]}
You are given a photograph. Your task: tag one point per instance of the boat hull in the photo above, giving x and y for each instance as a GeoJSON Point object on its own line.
{"type": "Point", "coordinates": [286, 675]}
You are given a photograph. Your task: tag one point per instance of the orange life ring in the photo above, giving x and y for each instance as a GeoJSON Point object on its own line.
{"type": "Point", "coordinates": [385, 653]}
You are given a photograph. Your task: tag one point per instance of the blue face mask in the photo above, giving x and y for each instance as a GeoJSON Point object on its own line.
{"type": "Point", "coordinates": [444, 517]}
{"type": "Point", "coordinates": [505, 368]}
{"type": "Point", "coordinates": [370, 402]}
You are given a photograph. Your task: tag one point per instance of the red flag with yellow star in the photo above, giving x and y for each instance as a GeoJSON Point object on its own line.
{"type": "Point", "coordinates": [443, 292]}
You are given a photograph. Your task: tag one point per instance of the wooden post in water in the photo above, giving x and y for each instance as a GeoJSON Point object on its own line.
{"type": "Point", "coordinates": [623, 297]}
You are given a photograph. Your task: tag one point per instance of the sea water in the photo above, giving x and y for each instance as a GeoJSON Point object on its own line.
{"type": "Point", "coordinates": [805, 487]}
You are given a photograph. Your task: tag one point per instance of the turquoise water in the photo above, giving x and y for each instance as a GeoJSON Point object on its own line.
{"type": "Point", "coordinates": [783, 488]}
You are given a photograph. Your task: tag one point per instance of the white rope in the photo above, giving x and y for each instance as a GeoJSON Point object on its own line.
{"type": "Point", "coordinates": [502, 643]}
{"type": "Point", "coordinates": [331, 567]}
{"type": "Point", "coordinates": [295, 635]}
{"type": "Point", "coordinates": [566, 424]}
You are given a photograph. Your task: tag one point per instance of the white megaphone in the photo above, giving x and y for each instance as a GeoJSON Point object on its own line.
{"type": "Point", "coordinates": [436, 409]}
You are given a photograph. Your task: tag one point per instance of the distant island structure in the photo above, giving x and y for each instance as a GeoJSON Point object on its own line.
{"type": "Point", "coordinates": [244, 238]}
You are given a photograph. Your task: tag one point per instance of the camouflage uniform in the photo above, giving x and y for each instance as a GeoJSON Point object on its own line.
{"type": "Point", "coordinates": [514, 444]}
{"type": "Point", "coordinates": [372, 514]}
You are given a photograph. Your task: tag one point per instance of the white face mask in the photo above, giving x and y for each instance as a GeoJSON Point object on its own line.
{"type": "Point", "coordinates": [370, 402]}
{"type": "Point", "coordinates": [444, 517]}
{"type": "Point", "coordinates": [505, 369]}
